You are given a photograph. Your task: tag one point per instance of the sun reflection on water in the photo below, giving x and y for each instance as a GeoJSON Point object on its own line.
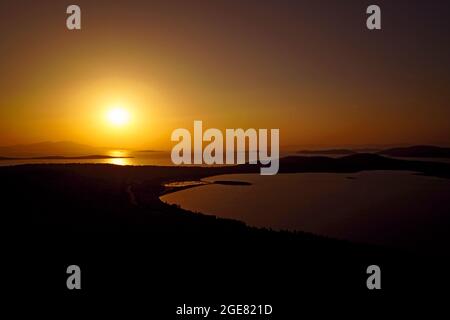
{"type": "Point", "coordinates": [119, 161]}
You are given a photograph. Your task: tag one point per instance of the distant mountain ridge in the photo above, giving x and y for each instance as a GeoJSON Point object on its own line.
{"type": "Point", "coordinates": [419, 151]}
{"type": "Point", "coordinates": [423, 151]}
{"type": "Point", "coordinates": [329, 151]}
{"type": "Point", "coordinates": [89, 157]}
{"type": "Point", "coordinates": [41, 149]}
{"type": "Point", "coordinates": [71, 149]}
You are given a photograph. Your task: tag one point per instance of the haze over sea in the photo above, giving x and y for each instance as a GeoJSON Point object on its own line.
{"type": "Point", "coordinates": [119, 157]}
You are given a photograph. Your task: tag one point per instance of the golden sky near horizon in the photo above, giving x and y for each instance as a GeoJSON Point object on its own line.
{"type": "Point", "coordinates": [317, 75]}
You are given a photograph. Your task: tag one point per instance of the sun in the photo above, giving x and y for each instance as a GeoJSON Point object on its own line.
{"type": "Point", "coordinates": [118, 116]}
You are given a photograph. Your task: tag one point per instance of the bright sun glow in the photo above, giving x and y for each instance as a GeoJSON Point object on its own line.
{"type": "Point", "coordinates": [118, 116]}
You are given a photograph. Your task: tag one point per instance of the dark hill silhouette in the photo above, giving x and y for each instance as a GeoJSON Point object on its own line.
{"type": "Point", "coordinates": [100, 186]}
{"type": "Point", "coordinates": [109, 220]}
{"type": "Point", "coordinates": [418, 152]}
{"type": "Point", "coordinates": [359, 162]}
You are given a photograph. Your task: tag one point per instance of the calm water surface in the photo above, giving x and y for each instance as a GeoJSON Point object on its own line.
{"type": "Point", "coordinates": [384, 207]}
{"type": "Point", "coordinates": [130, 158]}
{"type": "Point", "coordinates": [156, 158]}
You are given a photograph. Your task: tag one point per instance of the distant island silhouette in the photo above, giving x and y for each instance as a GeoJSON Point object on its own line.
{"type": "Point", "coordinates": [72, 150]}
{"type": "Point", "coordinates": [90, 157]}
{"type": "Point", "coordinates": [328, 151]}
{"type": "Point", "coordinates": [60, 148]}
{"type": "Point", "coordinates": [419, 151]}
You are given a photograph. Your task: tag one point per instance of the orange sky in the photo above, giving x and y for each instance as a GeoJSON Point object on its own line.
{"type": "Point", "coordinates": [317, 75]}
